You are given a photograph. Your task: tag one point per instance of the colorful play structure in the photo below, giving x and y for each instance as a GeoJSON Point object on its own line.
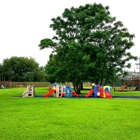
{"type": "Point", "coordinates": [2, 82]}
{"type": "Point", "coordinates": [2, 86]}
{"type": "Point", "coordinates": [98, 91]}
{"type": "Point", "coordinates": [61, 91]}
{"type": "Point", "coordinates": [30, 92]}
{"type": "Point", "coordinates": [66, 91]}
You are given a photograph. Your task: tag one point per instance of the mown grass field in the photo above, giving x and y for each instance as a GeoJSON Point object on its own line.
{"type": "Point", "coordinates": [68, 118]}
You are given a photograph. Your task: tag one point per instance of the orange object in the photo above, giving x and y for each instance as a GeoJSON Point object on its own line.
{"type": "Point", "coordinates": [102, 94]}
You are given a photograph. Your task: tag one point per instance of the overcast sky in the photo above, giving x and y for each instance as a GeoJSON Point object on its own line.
{"type": "Point", "coordinates": [23, 23]}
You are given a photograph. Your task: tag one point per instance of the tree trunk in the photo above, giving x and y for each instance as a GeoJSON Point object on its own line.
{"type": "Point", "coordinates": [107, 78]}
{"type": "Point", "coordinates": [81, 86]}
{"type": "Point", "coordinates": [77, 88]}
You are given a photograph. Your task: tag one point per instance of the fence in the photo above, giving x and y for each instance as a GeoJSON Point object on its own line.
{"type": "Point", "coordinates": [9, 84]}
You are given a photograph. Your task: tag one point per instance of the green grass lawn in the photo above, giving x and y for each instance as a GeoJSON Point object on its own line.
{"type": "Point", "coordinates": [68, 118]}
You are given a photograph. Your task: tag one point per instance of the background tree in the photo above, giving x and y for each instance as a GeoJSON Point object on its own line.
{"type": "Point", "coordinates": [1, 71]}
{"type": "Point", "coordinates": [90, 45]}
{"type": "Point", "coordinates": [22, 69]}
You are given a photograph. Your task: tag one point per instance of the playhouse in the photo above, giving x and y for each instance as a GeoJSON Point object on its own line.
{"type": "Point", "coordinates": [30, 92]}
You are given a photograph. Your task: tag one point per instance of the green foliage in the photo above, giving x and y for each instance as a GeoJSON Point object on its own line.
{"type": "Point", "coordinates": [22, 69]}
{"type": "Point", "coordinates": [70, 119]}
{"type": "Point", "coordinates": [1, 69]}
{"type": "Point", "coordinates": [46, 43]}
{"type": "Point", "coordinates": [90, 45]}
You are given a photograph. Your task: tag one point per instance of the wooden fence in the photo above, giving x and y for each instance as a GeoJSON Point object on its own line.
{"type": "Point", "coordinates": [9, 84]}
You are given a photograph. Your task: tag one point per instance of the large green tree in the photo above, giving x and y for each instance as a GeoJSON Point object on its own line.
{"type": "Point", "coordinates": [21, 69]}
{"type": "Point", "coordinates": [90, 45]}
{"type": "Point", "coordinates": [1, 70]}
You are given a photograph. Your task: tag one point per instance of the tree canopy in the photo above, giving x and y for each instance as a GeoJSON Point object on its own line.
{"type": "Point", "coordinates": [89, 45]}
{"type": "Point", "coordinates": [21, 69]}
